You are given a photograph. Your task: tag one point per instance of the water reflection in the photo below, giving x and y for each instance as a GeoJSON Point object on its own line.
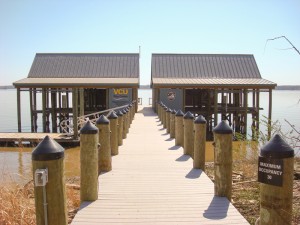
{"type": "Point", "coordinates": [15, 164]}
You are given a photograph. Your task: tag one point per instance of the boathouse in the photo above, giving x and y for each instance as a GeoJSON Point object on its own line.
{"type": "Point", "coordinates": [76, 84]}
{"type": "Point", "coordinates": [217, 86]}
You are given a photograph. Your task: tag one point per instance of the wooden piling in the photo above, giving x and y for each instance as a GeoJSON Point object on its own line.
{"type": "Point", "coordinates": [125, 117]}
{"type": "Point", "coordinates": [50, 197]}
{"type": "Point", "coordinates": [165, 116]}
{"type": "Point", "coordinates": [188, 130]}
{"type": "Point", "coordinates": [113, 118]}
{"type": "Point", "coordinates": [199, 143]}
{"type": "Point", "coordinates": [120, 127]}
{"type": "Point", "coordinates": [179, 134]}
{"type": "Point", "coordinates": [223, 160]}
{"type": "Point", "coordinates": [276, 200]}
{"type": "Point", "coordinates": [104, 155]}
{"type": "Point", "coordinates": [172, 123]}
{"type": "Point", "coordinates": [89, 162]}
{"type": "Point", "coordinates": [168, 115]}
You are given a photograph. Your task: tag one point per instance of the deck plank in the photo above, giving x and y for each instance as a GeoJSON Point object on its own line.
{"type": "Point", "coordinates": [151, 183]}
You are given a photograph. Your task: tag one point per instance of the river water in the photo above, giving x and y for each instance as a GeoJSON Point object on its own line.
{"type": "Point", "coordinates": [15, 163]}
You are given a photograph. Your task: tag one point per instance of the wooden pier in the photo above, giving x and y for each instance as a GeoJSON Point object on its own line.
{"type": "Point", "coordinates": [152, 182]}
{"type": "Point", "coordinates": [34, 138]}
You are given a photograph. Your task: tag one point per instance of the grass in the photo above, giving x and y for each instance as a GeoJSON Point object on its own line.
{"type": "Point", "coordinates": [17, 202]}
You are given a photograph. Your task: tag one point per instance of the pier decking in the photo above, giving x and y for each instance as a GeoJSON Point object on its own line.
{"type": "Point", "coordinates": [152, 182]}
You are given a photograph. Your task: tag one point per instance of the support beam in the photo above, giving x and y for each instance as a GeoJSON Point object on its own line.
{"type": "Point", "coordinates": [270, 114]}
{"type": "Point", "coordinates": [19, 109]}
{"type": "Point", "coordinates": [245, 111]}
{"type": "Point", "coordinates": [44, 102]}
{"type": "Point", "coordinates": [31, 109]}
{"type": "Point", "coordinates": [81, 94]}
{"type": "Point", "coordinates": [53, 109]}
{"type": "Point", "coordinates": [75, 111]}
{"type": "Point", "coordinates": [215, 107]}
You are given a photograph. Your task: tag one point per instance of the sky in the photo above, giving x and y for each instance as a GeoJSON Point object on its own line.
{"type": "Point", "coordinates": [158, 26]}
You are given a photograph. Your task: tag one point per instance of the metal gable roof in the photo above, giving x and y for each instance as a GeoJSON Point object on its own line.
{"type": "Point", "coordinates": [85, 65]}
{"type": "Point", "coordinates": [204, 66]}
{"type": "Point", "coordinates": [206, 70]}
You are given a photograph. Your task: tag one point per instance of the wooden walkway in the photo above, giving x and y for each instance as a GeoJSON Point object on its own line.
{"type": "Point", "coordinates": [152, 182]}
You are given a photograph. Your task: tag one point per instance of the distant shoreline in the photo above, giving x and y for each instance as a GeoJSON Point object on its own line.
{"type": "Point", "coordinates": [279, 87]}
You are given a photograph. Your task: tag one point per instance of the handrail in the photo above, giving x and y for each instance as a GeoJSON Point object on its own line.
{"type": "Point", "coordinates": [67, 124]}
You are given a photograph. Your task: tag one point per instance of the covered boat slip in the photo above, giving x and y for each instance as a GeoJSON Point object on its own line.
{"type": "Point", "coordinates": [72, 85]}
{"type": "Point", "coordinates": [219, 87]}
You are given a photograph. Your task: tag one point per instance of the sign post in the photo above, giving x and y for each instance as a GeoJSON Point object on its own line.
{"type": "Point", "coordinates": [275, 173]}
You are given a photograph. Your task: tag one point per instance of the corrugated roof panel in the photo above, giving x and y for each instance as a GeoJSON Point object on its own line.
{"type": "Point", "coordinates": [85, 65]}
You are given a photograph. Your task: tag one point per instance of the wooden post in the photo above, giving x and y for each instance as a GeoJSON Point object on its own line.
{"type": "Point", "coordinates": [223, 160]}
{"type": "Point", "coordinates": [188, 130]}
{"type": "Point", "coordinates": [172, 123]}
{"type": "Point", "coordinates": [127, 120]}
{"type": "Point", "coordinates": [104, 156]}
{"type": "Point", "coordinates": [168, 115]}
{"type": "Point", "coordinates": [165, 116]}
{"type": "Point", "coordinates": [159, 110]}
{"type": "Point", "coordinates": [215, 107]}
{"type": "Point", "coordinates": [88, 162]}
{"type": "Point", "coordinates": [125, 117]}
{"type": "Point", "coordinates": [199, 143]}
{"type": "Point", "coordinates": [276, 164]}
{"type": "Point", "coordinates": [120, 127]}
{"type": "Point", "coordinates": [19, 110]}
{"type": "Point", "coordinates": [31, 109]}
{"type": "Point", "coordinates": [113, 120]}
{"type": "Point", "coordinates": [245, 111]}
{"type": "Point", "coordinates": [270, 114]}
{"type": "Point", "coordinates": [179, 134]}
{"type": "Point", "coordinates": [53, 110]}
{"type": "Point", "coordinates": [44, 102]}
{"type": "Point", "coordinates": [81, 100]}
{"type": "Point", "coordinates": [75, 111]}
{"type": "Point", "coordinates": [50, 196]}
{"type": "Point", "coordinates": [135, 97]}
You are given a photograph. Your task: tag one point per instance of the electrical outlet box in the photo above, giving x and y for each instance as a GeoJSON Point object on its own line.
{"type": "Point", "coordinates": [41, 177]}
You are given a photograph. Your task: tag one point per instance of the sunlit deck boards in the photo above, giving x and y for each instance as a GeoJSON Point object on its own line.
{"type": "Point", "coordinates": [153, 183]}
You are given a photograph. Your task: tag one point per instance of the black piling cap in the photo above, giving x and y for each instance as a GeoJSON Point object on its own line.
{"type": "Point", "coordinates": [168, 110]}
{"type": "Point", "coordinates": [130, 105]}
{"type": "Point", "coordinates": [179, 113]}
{"type": "Point", "coordinates": [48, 149]}
{"type": "Point", "coordinates": [127, 109]}
{"type": "Point", "coordinates": [277, 148]}
{"type": "Point", "coordinates": [119, 113]}
{"type": "Point", "coordinates": [89, 128]}
{"type": "Point", "coordinates": [124, 111]}
{"type": "Point", "coordinates": [165, 108]}
{"type": "Point", "coordinates": [188, 115]}
{"type": "Point", "coordinates": [112, 115]}
{"type": "Point", "coordinates": [200, 120]}
{"type": "Point", "coordinates": [222, 128]}
{"type": "Point", "coordinates": [173, 111]}
{"type": "Point", "coordinates": [102, 120]}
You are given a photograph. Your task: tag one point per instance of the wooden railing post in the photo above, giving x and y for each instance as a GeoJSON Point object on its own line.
{"type": "Point", "coordinates": [172, 123]}
{"type": "Point", "coordinates": [168, 115]}
{"type": "Point", "coordinates": [125, 120]}
{"type": "Point", "coordinates": [89, 162]}
{"type": "Point", "coordinates": [49, 183]}
{"type": "Point", "coordinates": [179, 134]}
{"type": "Point", "coordinates": [113, 121]}
{"type": "Point", "coordinates": [199, 142]}
{"type": "Point", "coordinates": [120, 127]}
{"type": "Point", "coordinates": [104, 156]}
{"type": "Point", "coordinates": [223, 160]}
{"type": "Point", "coordinates": [188, 130]}
{"type": "Point", "coordinates": [276, 173]}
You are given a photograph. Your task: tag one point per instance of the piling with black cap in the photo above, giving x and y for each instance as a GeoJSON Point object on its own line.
{"type": "Point", "coordinates": [172, 123]}
{"type": "Point", "coordinates": [128, 120]}
{"type": "Point", "coordinates": [168, 115]}
{"type": "Point", "coordinates": [223, 160]}
{"type": "Point", "coordinates": [199, 142]}
{"type": "Point", "coordinates": [104, 155]}
{"type": "Point", "coordinates": [50, 198]}
{"type": "Point", "coordinates": [179, 134]}
{"type": "Point", "coordinates": [125, 120]}
{"type": "Point", "coordinates": [113, 121]}
{"type": "Point", "coordinates": [276, 173]}
{"type": "Point", "coordinates": [159, 110]}
{"type": "Point", "coordinates": [89, 162]}
{"type": "Point", "coordinates": [188, 130]}
{"type": "Point", "coordinates": [120, 127]}
{"type": "Point", "coordinates": [165, 116]}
